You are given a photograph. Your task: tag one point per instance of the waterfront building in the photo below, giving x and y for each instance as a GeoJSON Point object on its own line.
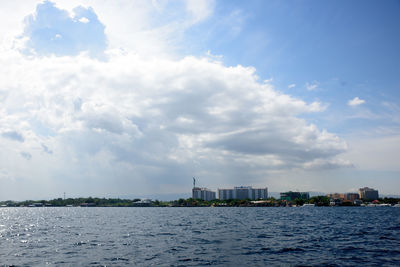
{"type": "Point", "coordinates": [343, 197]}
{"type": "Point", "coordinates": [351, 196]}
{"type": "Point", "coordinates": [368, 193]}
{"type": "Point", "coordinates": [243, 192]}
{"type": "Point", "coordinates": [203, 193]}
{"type": "Point", "coordinates": [145, 202]}
{"type": "Point", "coordinates": [224, 194]}
{"type": "Point", "coordinates": [335, 202]}
{"type": "Point", "coordinates": [336, 196]}
{"type": "Point", "coordinates": [290, 196]}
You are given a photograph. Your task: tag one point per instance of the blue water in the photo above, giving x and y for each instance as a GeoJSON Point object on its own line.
{"type": "Point", "coordinates": [337, 236]}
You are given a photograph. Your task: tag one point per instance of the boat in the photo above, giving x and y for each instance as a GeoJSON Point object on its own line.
{"type": "Point", "coordinates": [396, 205]}
{"type": "Point", "coordinates": [308, 205]}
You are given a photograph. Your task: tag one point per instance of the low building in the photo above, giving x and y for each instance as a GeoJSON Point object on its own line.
{"type": "Point", "coordinates": [290, 196]}
{"type": "Point", "coordinates": [335, 202]}
{"type": "Point", "coordinates": [336, 196]}
{"type": "Point", "coordinates": [145, 202]}
{"type": "Point", "coordinates": [344, 197]}
{"type": "Point", "coordinates": [203, 193]}
{"type": "Point", "coordinates": [243, 192]}
{"type": "Point", "coordinates": [368, 193]}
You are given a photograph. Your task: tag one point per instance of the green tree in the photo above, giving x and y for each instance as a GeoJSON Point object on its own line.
{"type": "Point", "coordinates": [299, 201]}
{"type": "Point", "coordinates": [320, 200]}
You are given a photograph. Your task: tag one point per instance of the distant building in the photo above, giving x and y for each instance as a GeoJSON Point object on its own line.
{"type": "Point", "coordinates": [368, 193]}
{"type": "Point", "coordinates": [351, 196]}
{"type": "Point", "coordinates": [290, 196]}
{"type": "Point", "coordinates": [224, 194]}
{"type": "Point", "coordinates": [145, 202]}
{"type": "Point", "coordinates": [243, 192]}
{"type": "Point", "coordinates": [343, 197]}
{"type": "Point", "coordinates": [203, 193]}
{"type": "Point", "coordinates": [335, 202]}
{"type": "Point", "coordinates": [336, 196]}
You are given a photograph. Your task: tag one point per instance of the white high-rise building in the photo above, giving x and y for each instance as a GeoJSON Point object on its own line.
{"type": "Point", "coordinates": [243, 192]}
{"type": "Point", "coordinates": [203, 193]}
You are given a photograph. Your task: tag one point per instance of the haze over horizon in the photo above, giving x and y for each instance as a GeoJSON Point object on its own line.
{"type": "Point", "coordinates": [113, 98]}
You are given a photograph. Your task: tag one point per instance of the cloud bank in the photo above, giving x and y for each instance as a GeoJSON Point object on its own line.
{"type": "Point", "coordinates": [146, 117]}
{"type": "Point", "coordinates": [135, 124]}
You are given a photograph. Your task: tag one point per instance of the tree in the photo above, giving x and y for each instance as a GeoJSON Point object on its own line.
{"type": "Point", "coordinates": [299, 201]}
{"type": "Point", "coordinates": [320, 200]}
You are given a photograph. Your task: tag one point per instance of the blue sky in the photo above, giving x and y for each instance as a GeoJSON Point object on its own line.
{"type": "Point", "coordinates": [347, 48]}
{"type": "Point", "coordinates": [136, 97]}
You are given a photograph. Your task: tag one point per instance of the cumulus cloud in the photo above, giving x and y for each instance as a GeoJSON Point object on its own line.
{"type": "Point", "coordinates": [143, 124]}
{"type": "Point", "coordinates": [291, 85]}
{"type": "Point", "coordinates": [153, 117]}
{"type": "Point", "coordinates": [355, 102]}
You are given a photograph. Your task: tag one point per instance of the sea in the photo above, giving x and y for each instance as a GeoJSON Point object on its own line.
{"type": "Point", "coordinates": [201, 236]}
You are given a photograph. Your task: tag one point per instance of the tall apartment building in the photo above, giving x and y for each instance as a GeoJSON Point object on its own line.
{"type": "Point", "coordinates": [243, 192]}
{"type": "Point", "coordinates": [224, 194]}
{"type": "Point", "coordinates": [368, 193]}
{"type": "Point", "coordinates": [203, 193]}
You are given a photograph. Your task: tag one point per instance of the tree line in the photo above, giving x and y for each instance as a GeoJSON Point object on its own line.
{"type": "Point", "coordinates": [190, 202]}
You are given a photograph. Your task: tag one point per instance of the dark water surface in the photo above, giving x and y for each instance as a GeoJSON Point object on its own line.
{"type": "Point", "coordinates": [200, 236]}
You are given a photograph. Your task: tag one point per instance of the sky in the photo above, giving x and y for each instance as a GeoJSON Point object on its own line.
{"type": "Point", "coordinates": [134, 98]}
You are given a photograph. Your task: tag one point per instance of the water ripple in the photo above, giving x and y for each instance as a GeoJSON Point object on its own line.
{"type": "Point", "coordinates": [200, 236]}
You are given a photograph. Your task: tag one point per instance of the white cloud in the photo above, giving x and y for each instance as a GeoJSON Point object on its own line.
{"type": "Point", "coordinates": [355, 102]}
{"type": "Point", "coordinates": [312, 86]}
{"type": "Point", "coordinates": [291, 85]}
{"type": "Point", "coordinates": [151, 119]}
{"type": "Point", "coordinates": [84, 20]}
{"type": "Point", "coordinates": [143, 121]}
